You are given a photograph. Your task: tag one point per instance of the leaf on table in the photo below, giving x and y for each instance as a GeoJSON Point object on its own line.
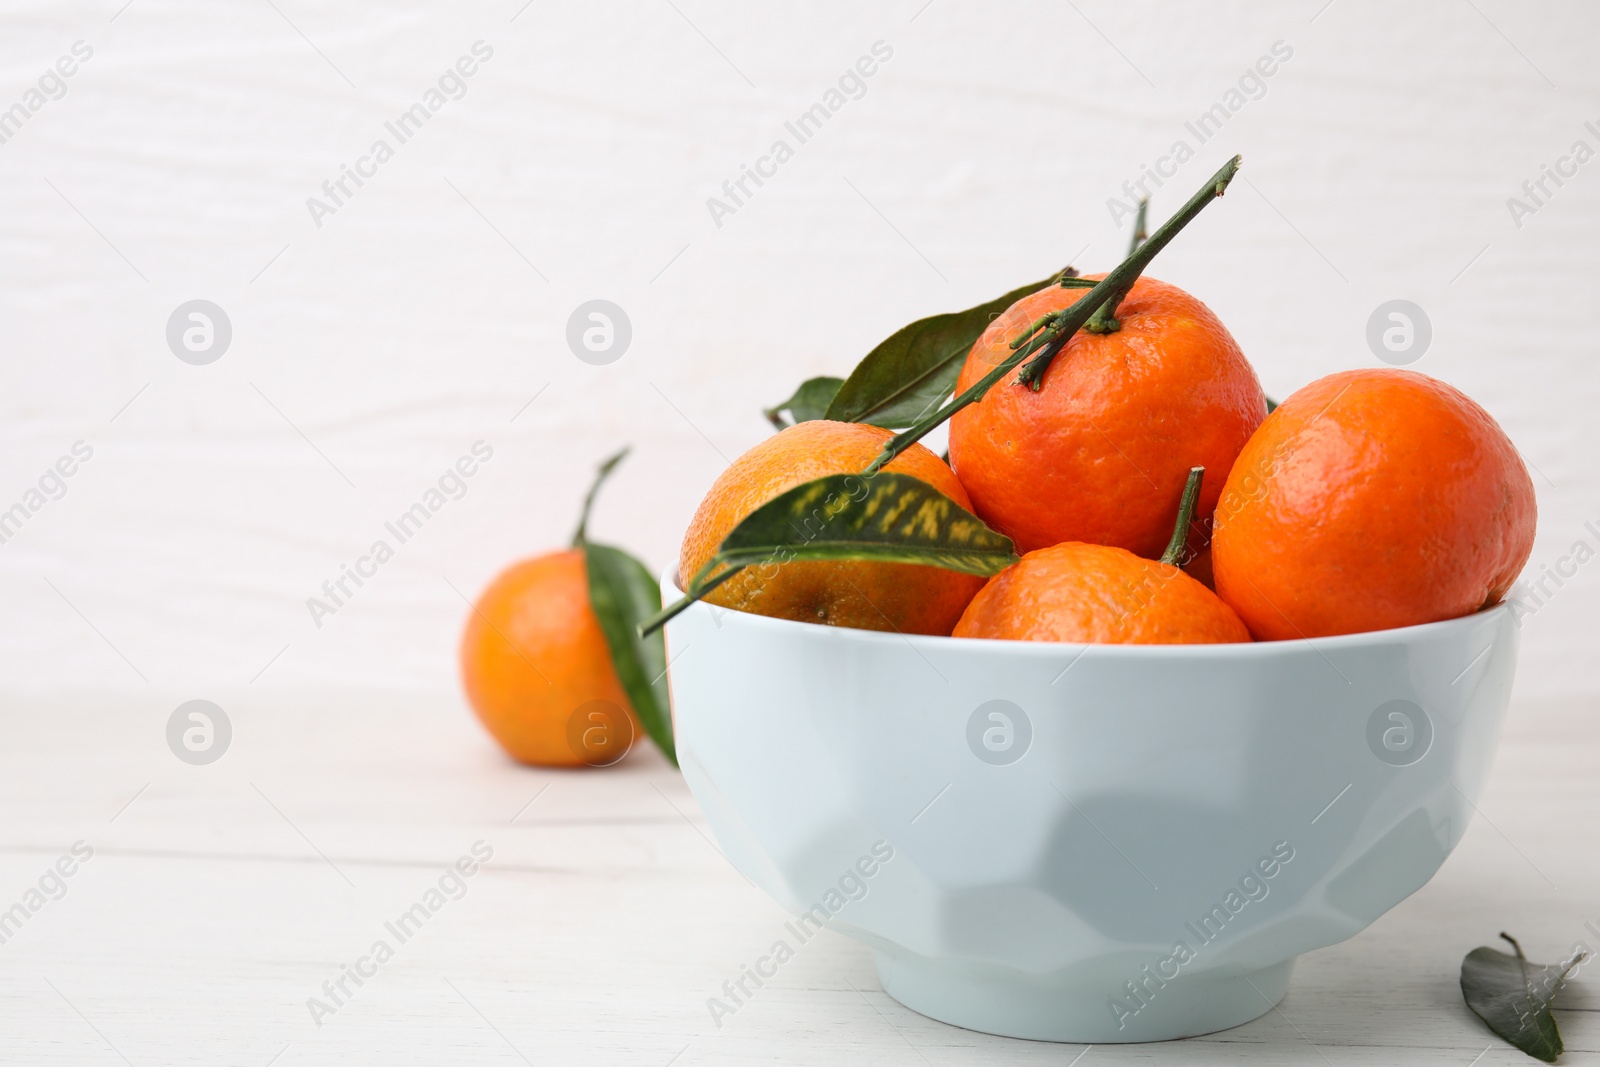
{"type": "Point", "coordinates": [887, 517]}
{"type": "Point", "coordinates": [912, 371]}
{"type": "Point", "coordinates": [1512, 996]}
{"type": "Point", "coordinates": [808, 403]}
{"type": "Point", "coordinates": [623, 594]}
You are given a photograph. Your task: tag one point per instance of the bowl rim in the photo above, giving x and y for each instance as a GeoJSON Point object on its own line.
{"type": "Point", "coordinates": [1365, 639]}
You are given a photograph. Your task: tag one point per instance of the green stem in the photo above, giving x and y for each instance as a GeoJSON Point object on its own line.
{"type": "Point", "coordinates": [1138, 225]}
{"type": "Point", "coordinates": [607, 465]}
{"type": "Point", "coordinates": [1041, 322]}
{"type": "Point", "coordinates": [1104, 320]}
{"type": "Point", "coordinates": [1180, 529]}
{"type": "Point", "coordinates": [677, 607]}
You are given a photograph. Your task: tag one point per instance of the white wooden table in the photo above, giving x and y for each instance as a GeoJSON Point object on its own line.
{"type": "Point", "coordinates": [220, 898]}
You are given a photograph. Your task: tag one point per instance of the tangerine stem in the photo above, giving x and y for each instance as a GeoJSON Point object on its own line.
{"type": "Point", "coordinates": [1105, 319]}
{"type": "Point", "coordinates": [607, 465]}
{"type": "Point", "coordinates": [1035, 326]}
{"type": "Point", "coordinates": [677, 607]}
{"type": "Point", "coordinates": [1180, 529]}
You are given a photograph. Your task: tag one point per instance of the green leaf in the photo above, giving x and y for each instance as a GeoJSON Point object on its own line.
{"type": "Point", "coordinates": [915, 369]}
{"type": "Point", "coordinates": [1272, 405]}
{"type": "Point", "coordinates": [888, 517]}
{"type": "Point", "coordinates": [1513, 997]}
{"type": "Point", "coordinates": [623, 594]}
{"type": "Point", "coordinates": [809, 402]}
{"type": "Point", "coordinates": [892, 518]}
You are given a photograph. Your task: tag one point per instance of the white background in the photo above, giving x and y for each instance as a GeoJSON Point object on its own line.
{"type": "Point", "coordinates": [431, 307]}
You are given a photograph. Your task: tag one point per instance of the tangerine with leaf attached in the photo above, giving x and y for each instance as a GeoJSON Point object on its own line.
{"type": "Point", "coordinates": [866, 594]}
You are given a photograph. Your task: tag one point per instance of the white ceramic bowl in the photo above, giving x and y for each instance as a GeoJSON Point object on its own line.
{"type": "Point", "coordinates": [1091, 843]}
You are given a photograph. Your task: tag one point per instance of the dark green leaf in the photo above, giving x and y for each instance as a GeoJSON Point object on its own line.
{"type": "Point", "coordinates": [892, 518]}
{"type": "Point", "coordinates": [1513, 997]}
{"type": "Point", "coordinates": [1272, 405]}
{"type": "Point", "coordinates": [915, 369]}
{"type": "Point", "coordinates": [808, 403]}
{"type": "Point", "coordinates": [623, 594]}
{"type": "Point", "coordinates": [888, 517]}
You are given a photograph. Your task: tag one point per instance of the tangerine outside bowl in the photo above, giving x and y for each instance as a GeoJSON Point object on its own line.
{"type": "Point", "coordinates": [1087, 843]}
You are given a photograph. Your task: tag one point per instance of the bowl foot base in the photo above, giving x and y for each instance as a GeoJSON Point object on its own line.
{"type": "Point", "coordinates": [1012, 1005]}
